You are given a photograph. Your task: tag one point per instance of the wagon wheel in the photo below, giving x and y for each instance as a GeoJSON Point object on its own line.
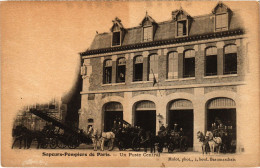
{"type": "Point", "coordinates": [60, 144]}
{"type": "Point", "coordinates": [184, 147]}
{"type": "Point", "coordinates": [53, 143]}
{"type": "Point", "coordinates": [136, 144]}
{"type": "Point", "coordinates": [120, 145]}
{"type": "Point", "coordinates": [171, 147]}
{"type": "Point", "coordinates": [73, 143]}
{"type": "Point", "coordinates": [44, 144]}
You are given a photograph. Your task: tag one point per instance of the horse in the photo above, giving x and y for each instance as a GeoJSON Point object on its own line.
{"type": "Point", "coordinates": [93, 133]}
{"type": "Point", "coordinates": [203, 141]}
{"type": "Point", "coordinates": [214, 142]}
{"type": "Point", "coordinates": [19, 133]}
{"type": "Point", "coordinates": [107, 136]}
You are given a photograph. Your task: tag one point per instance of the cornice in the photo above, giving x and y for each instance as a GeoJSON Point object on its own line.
{"type": "Point", "coordinates": [164, 42]}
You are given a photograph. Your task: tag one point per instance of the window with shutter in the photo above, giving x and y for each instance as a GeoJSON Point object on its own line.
{"type": "Point", "coordinates": [173, 65]}
{"type": "Point", "coordinates": [189, 64]}
{"type": "Point", "coordinates": [211, 61]}
{"type": "Point", "coordinates": [107, 71]}
{"type": "Point", "coordinates": [182, 28]}
{"type": "Point", "coordinates": [230, 59]}
{"type": "Point", "coordinates": [153, 66]}
{"type": "Point", "coordinates": [221, 22]}
{"type": "Point", "coordinates": [148, 33]}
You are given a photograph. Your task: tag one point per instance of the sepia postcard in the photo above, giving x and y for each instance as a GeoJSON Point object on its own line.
{"type": "Point", "coordinates": [129, 83]}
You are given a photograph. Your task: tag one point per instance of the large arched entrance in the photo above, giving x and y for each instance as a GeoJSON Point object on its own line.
{"type": "Point", "coordinates": [221, 114]}
{"type": "Point", "coordinates": [145, 115]}
{"type": "Point", "coordinates": [181, 112]}
{"type": "Point", "coordinates": [112, 111]}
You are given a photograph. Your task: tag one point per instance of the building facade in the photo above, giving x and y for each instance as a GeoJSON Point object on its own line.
{"type": "Point", "coordinates": [188, 70]}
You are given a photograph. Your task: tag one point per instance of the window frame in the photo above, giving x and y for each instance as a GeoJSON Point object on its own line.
{"type": "Point", "coordinates": [184, 63]}
{"type": "Point", "coordinates": [120, 39]}
{"type": "Point", "coordinates": [148, 39]}
{"type": "Point", "coordinates": [104, 72]}
{"type": "Point", "coordinates": [224, 59]}
{"type": "Point", "coordinates": [227, 22]}
{"type": "Point", "coordinates": [207, 55]}
{"type": "Point", "coordinates": [134, 68]}
{"type": "Point", "coordinates": [173, 65]}
{"type": "Point", "coordinates": [117, 70]}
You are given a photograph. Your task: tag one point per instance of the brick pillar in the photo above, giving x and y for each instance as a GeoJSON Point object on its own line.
{"type": "Point", "coordinates": [180, 61]}
{"type": "Point", "coordinates": [199, 113]}
{"type": "Point", "coordinates": [145, 65]}
{"type": "Point", "coordinates": [220, 58]}
{"type": "Point", "coordinates": [114, 57]}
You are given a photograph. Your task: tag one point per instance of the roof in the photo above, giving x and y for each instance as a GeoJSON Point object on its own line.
{"type": "Point", "coordinates": [165, 31]}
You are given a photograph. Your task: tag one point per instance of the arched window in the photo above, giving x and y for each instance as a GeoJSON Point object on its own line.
{"type": "Point", "coordinates": [230, 59]}
{"type": "Point", "coordinates": [153, 66]}
{"type": "Point", "coordinates": [121, 70]}
{"type": "Point", "coordinates": [107, 71]}
{"type": "Point", "coordinates": [173, 65]}
{"type": "Point", "coordinates": [138, 68]}
{"type": "Point", "coordinates": [189, 63]}
{"type": "Point", "coordinates": [211, 61]}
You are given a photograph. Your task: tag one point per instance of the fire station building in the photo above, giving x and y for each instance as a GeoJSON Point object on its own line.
{"type": "Point", "coordinates": [188, 70]}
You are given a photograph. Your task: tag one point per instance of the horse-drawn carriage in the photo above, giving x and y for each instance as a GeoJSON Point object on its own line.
{"type": "Point", "coordinates": [59, 134]}
{"type": "Point", "coordinates": [171, 140]}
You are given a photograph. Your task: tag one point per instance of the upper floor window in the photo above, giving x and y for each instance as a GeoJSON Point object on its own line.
{"type": "Point", "coordinates": [221, 22]}
{"type": "Point", "coordinates": [172, 65]}
{"type": "Point", "coordinates": [148, 33]}
{"type": "Point", "coordinates": [189, 63]}
{"type": "Point", "coordinates": [107, 71]}
{"type": "Point", "coordinates": [117, 32]}
{"type": "Point", "coordinates": [211, 61]}
{"type": "Point", "coordinates": [116, 38]}
{"type": "Point", "coordinates": [230, 59]}
{"type": "Point", "coordinates": [183, 19]}
{"type": "Point", "coordinates": [149, 26]}
{"type": "Point", "coordinates": [182, 28]}
{"type": "Point", "coordinates": [121, 70]}
{"type": "Point", "coordinates": [153, 66]}
{"type": "Point", "coordinates": [221, 12]}
{"type": "Point", "coordinates": [138, 68]}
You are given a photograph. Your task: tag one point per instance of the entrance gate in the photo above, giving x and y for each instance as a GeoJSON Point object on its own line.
{"type": "Point", "coordinates": [222, 111]}
{"type": "Point", "coordinates": [181, 113]}
{"type": "Point", "coordinates": [145, 115]}
{"type": "Point", "coordinates": [113, 111]}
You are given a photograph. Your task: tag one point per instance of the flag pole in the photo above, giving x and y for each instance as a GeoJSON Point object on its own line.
{"type": "Point", "coordinates": [155, 81]}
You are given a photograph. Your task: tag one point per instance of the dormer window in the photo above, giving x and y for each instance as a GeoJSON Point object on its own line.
{"type": "Point", "coordinates": [149, 26]}
{"type": "Point", "coordinates": [148, 33]}
{"type": "Point", "coordinates": [117, 32]}
{"type": "Point", "coordinates": [116, 38]}
{"type": "Point", "coordinates": [221, 13]}
{"type": "Point", "coordinates": [182, 28]}
{"type": "Point", "coordinates": [183, 20]}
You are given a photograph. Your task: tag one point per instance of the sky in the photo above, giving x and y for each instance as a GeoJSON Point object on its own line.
{"type": "Point", "coordinates": [41, 41]}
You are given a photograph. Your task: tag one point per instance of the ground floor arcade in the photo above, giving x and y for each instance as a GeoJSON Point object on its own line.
{"type": "Point", "coordinates": [191, 111]}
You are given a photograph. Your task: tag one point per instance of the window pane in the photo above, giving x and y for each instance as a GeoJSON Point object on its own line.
{"type": "Point", "coordinates": [230, 63]}
{"type": "Point", "coordinates": [121, 73]}
{"type": "Point", "coordinates": [230, 49]}
{"type": "Point", "coordinates": [116, 38]}
{"type": "Point", "coordinates": [211, 65]}
{"type": "Point", "coordinates": [138, 72]}
{"type": "Point", "coordinates": [182, 28]}
{"type": "Point", "coordinates": [173, 65]}
{"type": "Point", "coordinates": [148, 33]}
{"type": "Point", "coordinates": [189, 67]}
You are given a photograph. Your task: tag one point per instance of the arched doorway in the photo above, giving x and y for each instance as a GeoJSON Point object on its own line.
{"type": "Point", "coordinates": [181, 113]}
{"type": "Point", "coordinates": [145, 115]}
{"type": "Point", "coordinates": [221, 111]}
{"type": "Point", "coordinates": [112, 111]}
